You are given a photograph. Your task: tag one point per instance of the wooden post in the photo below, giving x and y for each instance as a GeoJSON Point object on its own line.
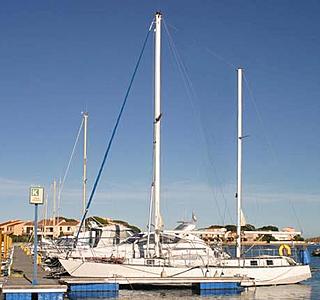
{"type": "Point", "coordinates": [5, 246]}
{"type": "Point", "coordinates": [10, 242]}
{"type": "Point", "coordinates": [1, 238]}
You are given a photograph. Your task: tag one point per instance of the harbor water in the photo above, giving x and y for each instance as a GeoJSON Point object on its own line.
{"type": "Point", "coordinates": [309, 289]}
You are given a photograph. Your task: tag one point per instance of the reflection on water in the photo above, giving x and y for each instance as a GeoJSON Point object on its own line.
{"type": "Point", "coordinates": [92, 295]}
{"type": "Point", "coordinates": [298, 291]}
{"type": "Point", "coordinates": [186, 294]}
{"type": "Point", "coordinates": [294, 291]}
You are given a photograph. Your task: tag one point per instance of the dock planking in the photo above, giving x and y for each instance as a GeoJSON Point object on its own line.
{"type": "Point", "coordinates": [19, 284]}
{"type": "Point", "coordinates": [22, 271]}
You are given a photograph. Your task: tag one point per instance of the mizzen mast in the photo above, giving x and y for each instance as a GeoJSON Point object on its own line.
{"type": "Point", "coordinates": [239, 184]}
{"type": "Point", "coordinates": [84, 179]}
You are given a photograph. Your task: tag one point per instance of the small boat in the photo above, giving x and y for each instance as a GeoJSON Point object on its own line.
{"type": "Point", "coordinates": [316, 252]}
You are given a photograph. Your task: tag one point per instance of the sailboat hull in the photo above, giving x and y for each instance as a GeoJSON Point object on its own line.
{"type": "Point", "coordinates": [261, 276]}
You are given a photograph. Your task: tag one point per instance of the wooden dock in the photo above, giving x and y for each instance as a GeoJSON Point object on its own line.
{"type": "Point", "coordinates": [19, 283]}
{"type": "Point", "coordinates": [22, 271]}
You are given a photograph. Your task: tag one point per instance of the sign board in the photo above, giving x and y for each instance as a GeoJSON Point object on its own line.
{"type": "Point", "coordinates": [36, 195]}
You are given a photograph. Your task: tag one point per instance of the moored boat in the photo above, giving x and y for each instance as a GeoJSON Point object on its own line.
{"type": "Point", "coordinates": [182, 254]}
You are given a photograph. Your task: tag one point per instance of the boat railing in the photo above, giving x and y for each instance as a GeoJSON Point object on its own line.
{"type": "Point", "coordinates": [271, 251]}
{"type": "Point", "coordinates": [266, 250]}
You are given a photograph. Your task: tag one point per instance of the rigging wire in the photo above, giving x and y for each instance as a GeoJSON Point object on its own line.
{"type": "Point", "coordinates": [232, 66]}
{"type": "Point", "coordinates": [268, 141]}
{"type": "Point", "coordinates": [61, 183]}
{"type": "Point", "coordinates": [113, 133]}
{"type": "Point", "coordinates": [254, 102]}
{"type": "Point", "coordinates": [191, 93]}
{"type": "Point", "coordinates": [296, 216]}
{"type": "Point", "coordinates": [252, 98]}
{"type": "Point", "coordinates": [269, 144]}
{"type": "Point", "coordinates": [187, 82]}
{"type": "Point", "coordinates": [69, 162]}
{"type": "Point", "coordinates": [223, 59]}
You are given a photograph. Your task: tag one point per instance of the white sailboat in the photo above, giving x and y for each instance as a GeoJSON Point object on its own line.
{"type": "Point", "coordinates": [183, 254]}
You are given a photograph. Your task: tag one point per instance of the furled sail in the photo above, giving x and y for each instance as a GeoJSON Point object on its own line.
{"type": "Point", "coordinates": [243, 221]}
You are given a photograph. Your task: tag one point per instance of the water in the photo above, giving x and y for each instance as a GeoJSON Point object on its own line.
{"type": "Point", "coordinates": [309, 289]}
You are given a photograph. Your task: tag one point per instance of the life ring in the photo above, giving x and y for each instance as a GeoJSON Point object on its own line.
{"type": "Point", "coordinates": [284, 250]}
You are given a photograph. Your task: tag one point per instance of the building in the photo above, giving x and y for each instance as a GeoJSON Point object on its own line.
{"type": "Point", "coordinates": [68, 227]}
{"type": "Point", "coordinates": [14, 227]}
{"type": "Point", "coordinates": [250, 236]}
{"type": "Point", "coordinates": [52, 228]}
{"type": "Point", "coordinates": [211, 234]}
{"type": "Point", "coordinates": [287, 234]}
{"type": "Point", "coordinates": [27, 228]}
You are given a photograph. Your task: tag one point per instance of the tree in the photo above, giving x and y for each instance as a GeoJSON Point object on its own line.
{"type": "Point", "coordinates": [134, 228]}
{"type": "Point", "coordinates": [268, 228]}
{"type": "Point", "coordinates": [20, 238]}
{"type": "Point", "coordinates": [298, 238]}
{"type": "Point", "coordinates": [68, 219]}
{"type": "Point", "coordinates": [102, 221]}
{"type": "Point", "coordinates": [248, 227]}
{"type": "Point", "coordinates": [106, 221]}
{"type": "Point", "coordinates": [268, 238]}
{"type": "Point", "coordinates": [215, 227]}
{"type": "Point", "coordinates": [232, 228]}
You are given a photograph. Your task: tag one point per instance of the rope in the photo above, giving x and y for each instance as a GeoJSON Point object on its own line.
{"type": "Point", "coordinates": [112, 135]}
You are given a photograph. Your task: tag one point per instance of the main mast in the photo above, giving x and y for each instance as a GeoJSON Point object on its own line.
{"type": "Point", "coordinates": [157, 121]}
{"type": "Point", "coordinates": [239, 185]}
{"type": "Point", "coordinates": [84, 183]}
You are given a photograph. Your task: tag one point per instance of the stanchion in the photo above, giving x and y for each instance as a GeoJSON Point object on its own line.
{"type": "Point", "coordinates": [5, 246]}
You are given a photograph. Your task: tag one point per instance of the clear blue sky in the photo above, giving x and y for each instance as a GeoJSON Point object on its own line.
{"type": "Point", "coordinates": [59, 58]}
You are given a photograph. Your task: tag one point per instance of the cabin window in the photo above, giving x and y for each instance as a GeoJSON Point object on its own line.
{"type": "Point", "coordinates": [253, 263]}
{"type": "Point", "coordinates": [167, 239]}
{"type": "Point", "coordinates": [150, 262]}
{"type": "Point", "coordinates": [269, 262]}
